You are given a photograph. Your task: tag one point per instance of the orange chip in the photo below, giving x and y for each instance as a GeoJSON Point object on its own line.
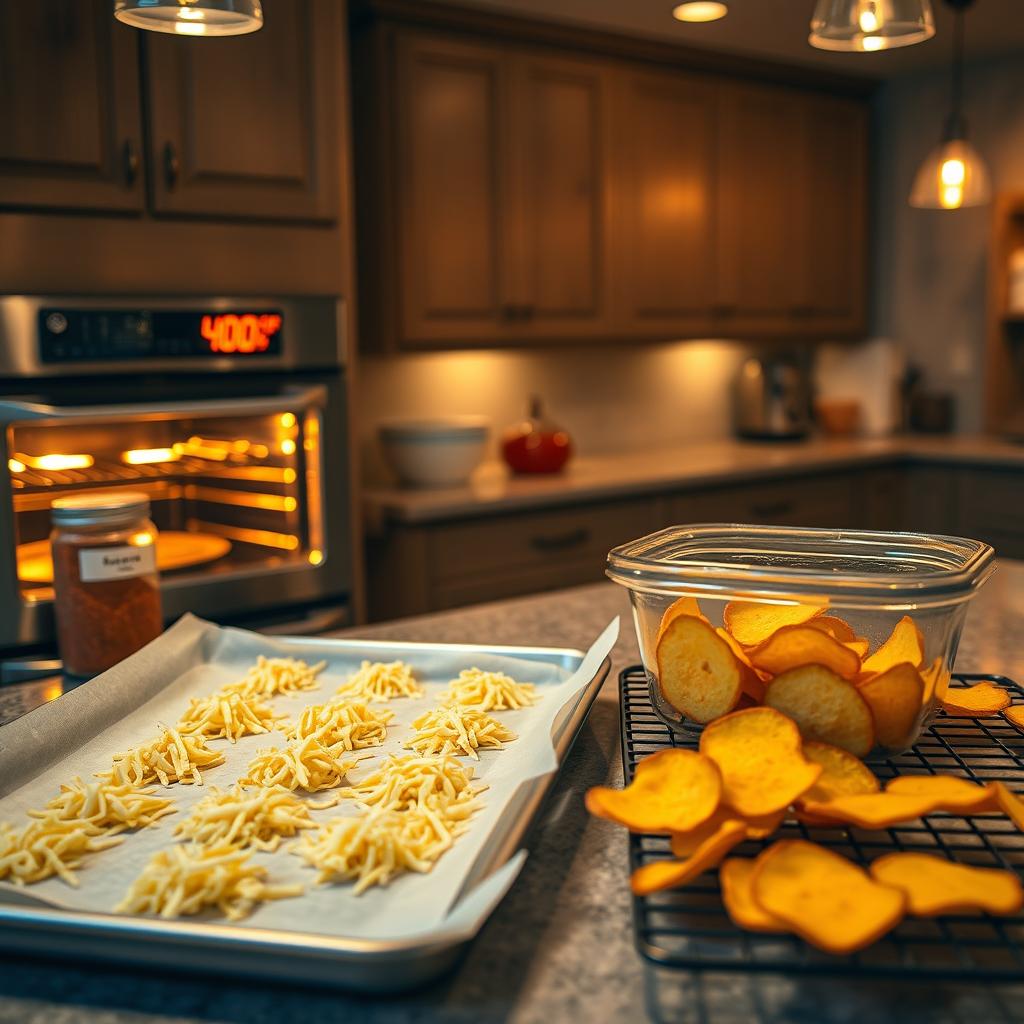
{"type": "Point", "coordinates": [758, 752]}
{"type": "Point", "coordinates": [842, 774]}
{"type": "Point", "coordinates": [669, 874]}
{"type": "Point", "coordinates": [672, 791]}
{"type": "Point", "coordinates": [859, 645]}
{"type": "Point", "coordinates": [824, 707]}
{"type": "Point", "coordinates": [830, 902]}
{"type": "Point", "coordinates": [682, 606]}
{"type": "Point", "coordinates": [795, 646]}
{"type": "Point", "coordinates": [837, 628]}
{"type": "Point", "coordinates": [977, 701]}
{"type": "Point", "coordinates": [735, 876]}
{"type": "Point", "coordinates": [895, 698]}
{"type": "Point", "coordinates": [751, 623]}
{"type": "Point", "coordinates": [905, 643]}
{"type": "Point", "coordinates": [1010, 804]}
{"type": "Point", "coordinates": [937, 886]}
{"type": "Point", "coordinates": [697, 672]}
{"type": "Point", "coordinates": [1015, 715]}
{"type": "Point", "coordinates": [684, 844]}
{"type": "Point", "coordinates": [950, 793]}
{"type": "Point", "coordinates": [753, 681]}
{"type": "Point", "coordinates": [936, 681]}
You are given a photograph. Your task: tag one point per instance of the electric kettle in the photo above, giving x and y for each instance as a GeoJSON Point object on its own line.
{"type": "Point", "coordinates": [771, 400]}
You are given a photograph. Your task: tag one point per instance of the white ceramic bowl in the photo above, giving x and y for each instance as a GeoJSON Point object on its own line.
{"type": "Point", "coordinates": [440, 452]}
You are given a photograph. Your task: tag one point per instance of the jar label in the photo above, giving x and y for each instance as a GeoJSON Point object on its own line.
{"type": "Point", "coordinates": [116, 563]}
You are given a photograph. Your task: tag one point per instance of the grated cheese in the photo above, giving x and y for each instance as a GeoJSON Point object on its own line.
{"type": "Point", "coordinates": [185, 879]}
{"type": "Point", "coordinates": [374, 848]}
{"type": "Point", "coordinates": [169, 758]}
{"type": "Point", "coordinates": [249, 819]}
{"type": "Point", "coordinates": [457, 730]}
{"type": "Point", "coordinates": [489, 691]}
{"type": "Point", "coordinates": [379, 681]}
{"type": "Point", "coordinates": [53, 846]}
{"type": "Point", "coordinates": [303, 764]}
{"type": "Point", "coordinates": [340, 724]}
{"type": "Point", "coordinates": [106, 804]}
{"type": "Point", "coordinates": [441, 783]}
{"type": "Point", "coordinates": [271, 677]}
{"type": "Point", "coordinates": [226, 716]}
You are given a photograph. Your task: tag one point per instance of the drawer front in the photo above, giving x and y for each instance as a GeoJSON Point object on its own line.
{"type": "Point", "coordinates": [517, 544]}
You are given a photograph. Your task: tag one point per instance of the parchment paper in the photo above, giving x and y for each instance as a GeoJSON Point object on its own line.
{"type": "Point", "coordinates": [80, 732]}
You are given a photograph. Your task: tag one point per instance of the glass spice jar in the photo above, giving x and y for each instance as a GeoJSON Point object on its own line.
{"type": "Point", "coordinates": [106, 585]}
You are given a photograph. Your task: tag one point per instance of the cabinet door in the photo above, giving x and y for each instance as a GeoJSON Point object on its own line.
{"type": "Point", "coordinates": [70, 129]}
{"type": "Point", "coordinates": [246, 126]}
{"type": "Point", "coordinates": [666, 256]}
{"type": "Point", "coordinates": [558, 219]}
{"type": "Point", "coordinates": [451, 182]}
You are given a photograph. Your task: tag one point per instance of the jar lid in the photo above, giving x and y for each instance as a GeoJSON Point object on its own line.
{"type": "Point", "coordinates": [100, 508]}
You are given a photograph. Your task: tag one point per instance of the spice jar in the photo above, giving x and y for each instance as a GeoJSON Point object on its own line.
{"type": "Point", "coordinates": [106, 586]}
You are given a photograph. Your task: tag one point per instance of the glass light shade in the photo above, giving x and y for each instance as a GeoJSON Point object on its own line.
{"type": "Point", "coordinates": [192, 17]}
{"type": "Point", "coordinates": [867, 25]}
{"type": "Point", "coordinates": [953, 175]}
{"type": "Point", "coordinates": [700, 11]}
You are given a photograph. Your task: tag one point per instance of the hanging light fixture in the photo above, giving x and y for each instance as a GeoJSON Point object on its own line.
{"type": "Point", "coordinates": [867, 25]}
{"type": "Point", "coordinates": [953, 174]}
{"type": "Point", "coordinates": [192, 17]}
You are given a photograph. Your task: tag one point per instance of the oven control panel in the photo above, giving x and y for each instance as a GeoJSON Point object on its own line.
{"type": "Point", "coordinates": [97, 335]}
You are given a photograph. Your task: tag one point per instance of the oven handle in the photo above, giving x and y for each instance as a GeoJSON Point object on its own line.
{"type": "Point", "coordinates": [299, 397]}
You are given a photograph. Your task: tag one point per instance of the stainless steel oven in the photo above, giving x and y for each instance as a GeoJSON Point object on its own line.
{"type": "Point", "coordinates": [229, 412]}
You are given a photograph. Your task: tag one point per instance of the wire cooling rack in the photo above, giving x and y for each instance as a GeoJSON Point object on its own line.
{"type": "Point", "coordinates": [689, 927]}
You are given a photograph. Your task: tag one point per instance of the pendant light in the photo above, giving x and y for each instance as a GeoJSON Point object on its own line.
{"type": "Point", "coordinates": [867, 25]}
{"type": "Point", "coordinates": [192, 17]}
{"type": "Point", "coordinates": [953, 174]}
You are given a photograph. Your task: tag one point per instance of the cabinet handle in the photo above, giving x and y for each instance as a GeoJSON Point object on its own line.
{"type": "Point", "coordinates": [723, 309]}
{"type": "Point", "coordinates": [171, 165]}
{"type": "Point", "coordinates": [130, 161]}
{"type": "Point", "coordinates": [772, 508]}
{"type": "Point", "coordinates": [561, 541]}
{"type": "Point", "coordinates": [516, 312]}
{"type": "Point", "coordinates": [802, 311]}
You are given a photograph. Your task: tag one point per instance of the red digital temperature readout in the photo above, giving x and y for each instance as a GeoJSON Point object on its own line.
{"type": "Point", "coordinates": [239, 333]}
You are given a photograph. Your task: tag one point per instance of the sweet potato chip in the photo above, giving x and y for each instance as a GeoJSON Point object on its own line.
{"type": "Point", "coordinates": [950, 792]}
{"type": "Point", "coordinates": [837, 628]}
{"type": "Point", "coordinates": [895, 698]}
{"type": "Point", "coordinates": [1010, 804]}
{"type": "Point", "coordinates": [672, 791]}
{"type": "Point", "coordinates": [937, 886]}
{"type": "Point", "coordinates": [1015, 715]}
{"type": "Point", "coordinates": [842, 774]}
{"type": "Point", "coordinates": [827, 900]}
{"type": "Point", "coordinates": [859, 645]}
{"type": "Point", "coordinates": [751, 623]}
{"type": "Point", "coordinates": [795, 646]}
{"type": "Point", "coordinates": [824, 707]}
{"type": "Point", "coordinates": [977, 701]}
{"type": "Point", "coordinates": [936, 681]}
{"type": "Point", "coordinates": [758, 752]}
{"type": "Point", "coordinates": [682, 606]}
{"type": "Point", "coordinates": [752, 681]}
{"type": "Point", "coordinates": [905, 643]}
{"type": "Point", "coordinates": [697, 671]}
{"type": "Point", "coordinates": [735, 876]}
{"type": "Point", "coordinates": [761, 826]}
{"type": "Point", "coordinates": [669, 874]}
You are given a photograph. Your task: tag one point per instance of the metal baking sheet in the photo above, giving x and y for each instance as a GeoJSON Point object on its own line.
{"type": "Point", "coordinates": [365, 965]}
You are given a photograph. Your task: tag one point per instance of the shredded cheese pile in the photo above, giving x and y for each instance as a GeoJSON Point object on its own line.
{"type": "Point", "coordinates": [271, 677]}
{"type": "Point", "coordinates": [106, 804]}
{"type": "Point", "coordinates": [440, 783]}
{"type": "Point", "coordinates": [339, 724]}
{"type": "Point", "coordinates": [303, 764]}
{"type": "Point", "coordinates": [379, 681]}
{"type": "Point", "coordinates": [185, 879]}
{"type": "Point", "coordinates": [457, 730]}
{"type": "Point", "coordinates": [169, 758]}
{"type": "Point", "coordinates": [489, 691]}
{"type": "Point", "coordinates": [258, 819]}
{"type": "Point", "coordinates": [53, 846]}
{"type": "Point", "coordinates": [226, 716]}
{"type": "Point", "coordinates": [375, 847]}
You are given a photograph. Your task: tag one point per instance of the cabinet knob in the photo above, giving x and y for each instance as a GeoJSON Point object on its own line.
{"type": "Point", "coordinates": [130, 161]}
{"type": "Point", "coordinates": [171, 165]}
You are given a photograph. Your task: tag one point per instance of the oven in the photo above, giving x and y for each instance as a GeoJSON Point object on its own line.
{"type": "Point", "coordinates": [229, 413]}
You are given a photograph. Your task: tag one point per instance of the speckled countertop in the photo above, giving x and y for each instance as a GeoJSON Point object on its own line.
{"type": "Point", "coordinates": [492, 490]}
{"type": "Point", "coordinates": [560, 946]}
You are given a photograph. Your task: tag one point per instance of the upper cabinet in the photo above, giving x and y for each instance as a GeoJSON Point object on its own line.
{"type": "Point", "coordinates": [70, 127]}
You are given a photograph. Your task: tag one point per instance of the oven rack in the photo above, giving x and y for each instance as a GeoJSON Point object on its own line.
{"type": "Point", "coordinates": [688, 928]}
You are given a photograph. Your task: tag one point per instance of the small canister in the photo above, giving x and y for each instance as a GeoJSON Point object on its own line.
{"type": "Point", "coordinates": [106, 585]}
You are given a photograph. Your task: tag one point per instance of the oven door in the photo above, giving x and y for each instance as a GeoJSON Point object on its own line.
{"type": "Point", "coordinates": [250, 518]}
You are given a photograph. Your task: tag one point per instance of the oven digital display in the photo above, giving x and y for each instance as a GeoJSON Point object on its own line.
{"type": "Point", "coordinates": [80, 335]}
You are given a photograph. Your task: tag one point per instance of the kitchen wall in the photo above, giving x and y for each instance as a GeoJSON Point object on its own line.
{"type": "Point", "coordinates": [609, 398]}
{"type": "Point", "coordinates": [930, 266]}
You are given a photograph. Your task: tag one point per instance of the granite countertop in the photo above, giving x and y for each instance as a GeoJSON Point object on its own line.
{"type": "Point", "coordinates": [560, 946]}
{"type": "Point", "coordinates": [492, 490]}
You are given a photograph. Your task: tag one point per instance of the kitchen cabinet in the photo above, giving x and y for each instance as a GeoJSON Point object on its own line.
{"type": "Point", "coordinates": [988, 503]}
{"type": "Point", "coordinates": [70, 126]}
{"type": "Point", "coordinates": [243, 126]}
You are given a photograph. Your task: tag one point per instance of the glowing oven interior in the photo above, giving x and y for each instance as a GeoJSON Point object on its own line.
{"type": "Point", "coordinates": [231, 494]}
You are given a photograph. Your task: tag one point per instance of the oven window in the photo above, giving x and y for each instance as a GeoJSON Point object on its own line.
{"type": "Point", "coordinates": [230, 494]}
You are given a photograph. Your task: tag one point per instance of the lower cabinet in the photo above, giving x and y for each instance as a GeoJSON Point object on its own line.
{"type": "Point", "coordinates": [988, 507]}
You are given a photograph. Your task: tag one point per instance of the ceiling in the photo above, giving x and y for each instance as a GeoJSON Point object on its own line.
{"type": "Point", "coordinates": [777, 30]}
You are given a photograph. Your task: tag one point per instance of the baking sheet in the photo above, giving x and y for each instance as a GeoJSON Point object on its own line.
{"type": "Point", "coordinates": [80, 732]}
